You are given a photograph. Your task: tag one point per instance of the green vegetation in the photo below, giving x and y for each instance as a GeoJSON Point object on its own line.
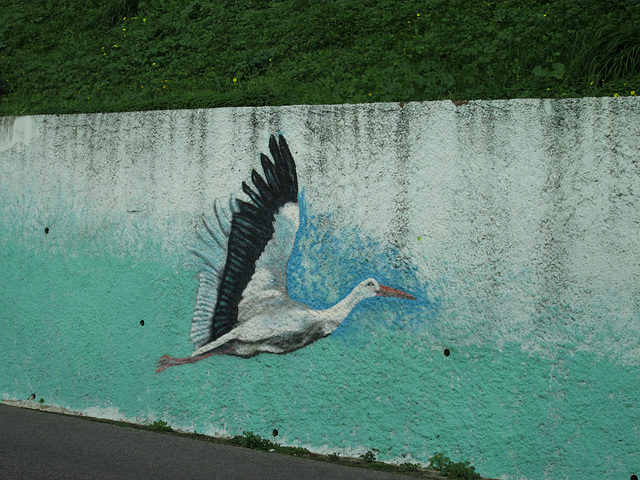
{"type": "Point", "coordinates": [256, 442]}
{"type": "Point", "coordinates": [368, 459]}
{"type": "Point", "coordinates": [65, 56]}
{"type": "Point", "coordinates": [253, 441]}
{"type": "Point", "coordinates": [233, 53]}
{"type": "Point", "coordinates": [410, 467]}
{"type": "Point", "coordinates": [460, 470]}
{"type": "Point", "coordinates": [159, 426]}
{"type": "Point", "coordinates": [370, 455]}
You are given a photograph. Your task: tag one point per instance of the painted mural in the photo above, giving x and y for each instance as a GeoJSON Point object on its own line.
{"type": "Point", "coordinates": [243, 306]}
{"type": "Point", "coordinates": [515, 223]}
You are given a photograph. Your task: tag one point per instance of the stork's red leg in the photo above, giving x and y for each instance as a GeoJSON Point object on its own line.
{"type": "Point", "coordinates": [166, 361]}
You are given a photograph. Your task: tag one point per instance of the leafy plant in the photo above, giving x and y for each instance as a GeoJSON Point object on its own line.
{"type": "Point", "coordinates": [460, 470]}
{"type": "Point", "coordinates": [249, 439]}
{"type": "Point", "coordinates": [289, 450]}
{"type": "Point", "coordinates": [554, 70]}
{"type": "Point", "coordinates": [255, 442]}
{"type": "Point", "coordinates": [439, 462]}
{"type": "Point", "coordinates": [370, 455]}
{"type": "Point", "coordinates": [159, 426]}
{"type": "Point", "coordinates": [410, 467]}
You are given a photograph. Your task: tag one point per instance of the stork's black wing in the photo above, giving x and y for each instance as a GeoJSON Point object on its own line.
{"type": "Point", "coordinates": [252, 227]}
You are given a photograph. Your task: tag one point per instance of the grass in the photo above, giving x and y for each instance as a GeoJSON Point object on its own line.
{"type": "Point", "coordinates": [67, 56]}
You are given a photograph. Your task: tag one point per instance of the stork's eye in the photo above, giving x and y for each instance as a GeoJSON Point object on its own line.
{"type": "Point", "coordinates": [369, 284]}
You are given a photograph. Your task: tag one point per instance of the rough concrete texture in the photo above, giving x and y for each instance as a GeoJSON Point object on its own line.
{"type": "Point", "coordinates": [515, 223]}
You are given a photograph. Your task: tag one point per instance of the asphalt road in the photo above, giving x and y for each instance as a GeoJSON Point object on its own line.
{"type": "Point", "coordinates": [41, 445]}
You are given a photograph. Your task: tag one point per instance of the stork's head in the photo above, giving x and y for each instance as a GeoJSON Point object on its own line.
{"type": "Point", "coordinates": [372, 288]}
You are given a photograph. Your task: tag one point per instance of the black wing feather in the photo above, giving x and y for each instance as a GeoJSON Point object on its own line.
{"type": "Point", "coordinates": [261, 185]}
{"type": "Point", "coordinates": [269, 171]}
{"type": "Point", "coordinates": [252, 226]}
{"type": "Point", "coordinates": [255, 198]}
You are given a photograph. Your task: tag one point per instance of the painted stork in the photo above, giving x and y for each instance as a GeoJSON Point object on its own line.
{"type": "Point", "coordinates": [243, 306]}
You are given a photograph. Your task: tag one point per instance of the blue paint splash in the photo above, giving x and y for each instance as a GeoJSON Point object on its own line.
{"type": "Point", "coordinates": [326, 265]}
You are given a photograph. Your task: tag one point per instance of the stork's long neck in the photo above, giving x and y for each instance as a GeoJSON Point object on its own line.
{"type": "Point", "coordinates": [333, 317]}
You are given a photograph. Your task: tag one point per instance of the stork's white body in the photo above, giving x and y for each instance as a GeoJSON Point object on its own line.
{"type": "Point", "coordinates": [268, 320]}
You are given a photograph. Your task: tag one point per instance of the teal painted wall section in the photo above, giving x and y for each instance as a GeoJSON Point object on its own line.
{"type": "Point", "coordinates": [516, 224]}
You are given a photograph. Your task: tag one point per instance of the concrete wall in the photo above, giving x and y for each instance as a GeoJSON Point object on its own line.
{"type": "Point", "coordinates": [516, 224]}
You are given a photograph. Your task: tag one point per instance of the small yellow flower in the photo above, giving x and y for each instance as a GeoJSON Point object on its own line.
{"type": "Point", "coordinates": [633, 92]}
{"type": "Point", "coordinates": [369, 94]}
{"type": "Point", "coordinates": [418, 15]}
{"type": "Point", "coordinates": [616, 95]}
{"type": "Point", "coordinates": [235, 80]}
{"type": "Point", "coordinates": [124, 18]}
{"type": "Point", "coordinates": [115, 46]}
{"type": "Point", "coordinates": [124, 29]}
{"type": "Point", "coordinates": [144, 20]}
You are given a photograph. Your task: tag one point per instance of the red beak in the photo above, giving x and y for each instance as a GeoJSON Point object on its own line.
{"type": "Point", "coordinates": [393, 292]}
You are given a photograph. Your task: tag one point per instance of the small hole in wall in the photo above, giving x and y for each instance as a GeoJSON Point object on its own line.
{"type": "Point", "coordinates": [446, 352]}
{"type": "Point", "coordinates": [46, 230]}
{"type": "Point", "coordinates": [275, 432]}
{"type": "Point", "coordinates": [142, 323]}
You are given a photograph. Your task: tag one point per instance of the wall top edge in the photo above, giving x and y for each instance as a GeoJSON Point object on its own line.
{"type": "Point", "coordinates": [384, 106]}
